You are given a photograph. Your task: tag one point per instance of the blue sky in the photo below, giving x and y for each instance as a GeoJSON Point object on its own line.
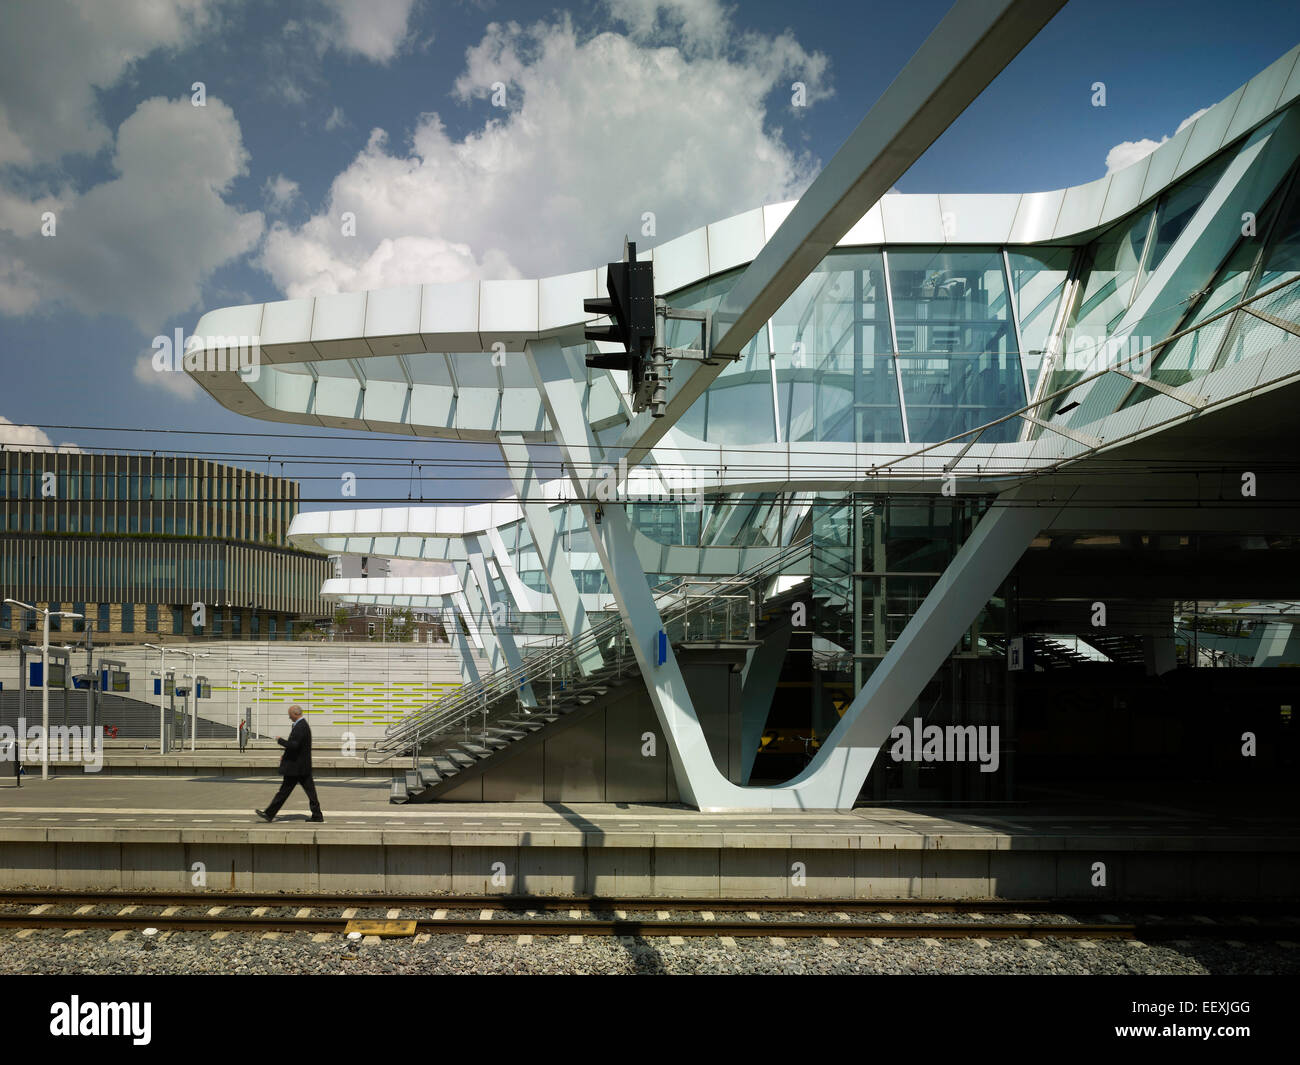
{"type": "Point", "coordinates": [612, 107]}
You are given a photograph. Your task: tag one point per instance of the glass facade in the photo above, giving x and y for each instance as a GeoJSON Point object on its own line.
{"type": "Point", "coordinates": [880, 346]}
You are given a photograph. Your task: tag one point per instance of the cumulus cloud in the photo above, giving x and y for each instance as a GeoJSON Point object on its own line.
{"type": "Point", "coordinates": [18, 437]}
{"type": "Point", "coordinates": [56, 54]}
{"type": "Point", "coordinates": [175, 383]}
{"type": "Point", "coordinates": [373, 29]}
{"type": "Point", "coordinates": [141, 243]}
{"type": "Point", "coordinates": [595, 134]}
{"type": "Point", "coordinates": [279, 192]}
{"type": "Point", "coordinates": [1126, 153]}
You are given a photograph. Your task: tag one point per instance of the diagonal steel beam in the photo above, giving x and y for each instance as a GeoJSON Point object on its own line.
{"type": "Point", "coordinates": [966, 51]}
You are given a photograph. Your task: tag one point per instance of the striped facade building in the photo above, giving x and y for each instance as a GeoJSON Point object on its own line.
{"type": "Point", "coordinates": [133, 542]}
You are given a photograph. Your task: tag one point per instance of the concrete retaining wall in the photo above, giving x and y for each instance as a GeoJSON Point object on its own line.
{"type": "Point", "coordinates": [631, 864]}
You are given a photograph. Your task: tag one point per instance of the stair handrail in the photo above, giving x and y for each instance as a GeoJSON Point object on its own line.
{"type": "Point", "coordinates": [439, 716]}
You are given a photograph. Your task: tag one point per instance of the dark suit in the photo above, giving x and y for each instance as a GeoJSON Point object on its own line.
{"type": "Point", "coordinates": [295, 767]}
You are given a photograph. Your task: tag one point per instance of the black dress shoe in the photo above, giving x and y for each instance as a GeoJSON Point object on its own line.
{"type": "Point", "coordinates": [264, 815]}
{"type": "Point", "coordinates": [318, 819]}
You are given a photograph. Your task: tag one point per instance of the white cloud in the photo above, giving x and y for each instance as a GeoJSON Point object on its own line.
{"type": "Point", "coordinates": [337, 120]}
{"type": "Point", "coordinates": [175, 382]}
{"type": "Point", "coordinates": [596, 133]}
{"type": "Point", "coordinates": [279, 192]}
{"type": "Point", "coordinates": [18, 437]}
{"type": "Point", "coordinates": [373, 29]}
{"type": "Point", "coordinates": [54, 55]}
{"type": "Point", "coordinates": [141, 243]}
{"type": "Point", "coordinates": [1126, 153]}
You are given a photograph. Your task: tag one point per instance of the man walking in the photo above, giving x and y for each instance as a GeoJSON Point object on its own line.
{"type": "Point", "coordinates": [295, 767]}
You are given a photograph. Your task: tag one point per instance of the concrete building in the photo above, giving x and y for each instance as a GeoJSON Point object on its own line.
{"type": "Point", "coordinates": [911, 447]}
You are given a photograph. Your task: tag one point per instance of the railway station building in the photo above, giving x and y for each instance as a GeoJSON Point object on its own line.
{"type": "Point", "coordinates": [963, 497]}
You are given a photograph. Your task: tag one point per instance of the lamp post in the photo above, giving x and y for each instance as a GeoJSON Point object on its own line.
{"type": "Point", "coordinates": [46, 614]}
{"type": "Point", "coordinates": [257, 699]}
{"type": "Point", "coordinates": [191, 699]}
{"type": "Point", "coordinates": [257, 692]}
{"type": "Point", "coordinates": [162, 697]}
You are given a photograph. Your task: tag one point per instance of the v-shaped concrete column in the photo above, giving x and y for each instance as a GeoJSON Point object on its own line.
{"type": "Point", "coordinates": [555, 564]}
{"type": "Point", "coordinates": [836, 775]}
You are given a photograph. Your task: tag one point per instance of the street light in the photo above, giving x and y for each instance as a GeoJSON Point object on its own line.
{"type": "Point", "coordinates": [162, 697]}
{"type": "Point", "coordinates": [257, 693]}
{"type": "Point", "coordinates": [194, 714]}
{"type": "Point", "coordinates": [45, 675]}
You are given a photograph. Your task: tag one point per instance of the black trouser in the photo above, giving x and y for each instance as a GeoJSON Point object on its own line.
{"type": "Point", "coordinates": [308, 785]}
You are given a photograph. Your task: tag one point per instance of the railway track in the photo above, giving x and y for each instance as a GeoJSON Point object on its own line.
{"type": "Point", "coordinates": [398, 916]}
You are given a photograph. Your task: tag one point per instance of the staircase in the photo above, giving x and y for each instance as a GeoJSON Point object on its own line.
{"type": "Point", "coordinates": [479, 721]}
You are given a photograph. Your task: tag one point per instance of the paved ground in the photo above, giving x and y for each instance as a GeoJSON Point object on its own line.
{"type": "Point", "coordinates": [223, 802]}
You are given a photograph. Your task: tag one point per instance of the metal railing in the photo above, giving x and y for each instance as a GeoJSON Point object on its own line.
{"type": "Point", "coordinates": [689, 609]}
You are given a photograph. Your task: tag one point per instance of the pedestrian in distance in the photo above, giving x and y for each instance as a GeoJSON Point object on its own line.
{"type": "Point", "coordinates": [295, 767]}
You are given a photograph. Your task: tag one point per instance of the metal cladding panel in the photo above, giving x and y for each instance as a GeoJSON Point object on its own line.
{"type": "Point", "coordinates": [735, 241]}
{"type": "Point", "coordinates": [978, 219]}
{"type": "Point", "coordinates": [1281, 361]}
{"type": "Point", "coordinates": [912, 219]}
{"type": "Point", "coordinates": [773, 215]}
{"type": "Point", "coordinates": [338, 326]}
{"type": "Point", "coordinates": [1036, 216]}
{"type": "Point", "coordinates": [449, 316]}
{"type": "Point", "coordinates": [1081, 210]}
{"type": "Point", "coordinates": [682, 261]}
{"type": "Point", "coordinates": [286, 331]}
{"type": "Point", "coordinates": [575, 762]}
{"type": "Point", "coordinates": [1262, 96]}
{"type": "Point", "coordinates": [507, 314]}
{"type": "Point", "coordinates": [432, 407]}
{"type": "Point", "coordinates": [632, 776]}
{"type": "Point", "coordinates": [243, 321]}
{"type": "Point", "coordinates": [338, 399]}
{"type": "Point", "coordinates": [1125, 191]}
{"type": "Point", "coordinates": [1291, 90]}
{"type": "Point", "coordinates": [518, 778]}
{"type": "Point", "coordinates": [393, 321]}
{"type": "Point", "coordinates": [1208, 133]}
{"type": "Point", "coordinates": [869, 229]}
{"type": "Point", "coordinates": [1164, 161]}
{"type": "Point", "coordinates": [559, 299]}
{"type": "Point", "coordinates": [383, 406]}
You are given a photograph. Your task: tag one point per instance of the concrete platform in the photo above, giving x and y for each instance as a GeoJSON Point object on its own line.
{"type": "Point", "coordinates": [90, 832]}
{"type": "Point", "coordinates": [214, 758]}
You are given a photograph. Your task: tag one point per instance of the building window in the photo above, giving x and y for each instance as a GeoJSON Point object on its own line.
{"type": "Point", "coordinates": [255, 624]}
{"type": "Point", "coordinates": [79, 624]}
{"type": "Point", "coordinates": [102, 618]}
{"type": "Point", "coordinates": [216, 623]}
{"type": "Point", "coordinates": [128, 617]}
{"type": "Point", "coordinates": [151, 617]}
{"type": "Point", "coordinates": [271, 627]}
{"type": "Point", "coordinates": [56, 622]}
{"type": "Point", "coordinates": [178, 621]}
{"type": "Point", "coordinates": [236, 624]}
{"type": "Point", "coordinates": [6, 616]}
